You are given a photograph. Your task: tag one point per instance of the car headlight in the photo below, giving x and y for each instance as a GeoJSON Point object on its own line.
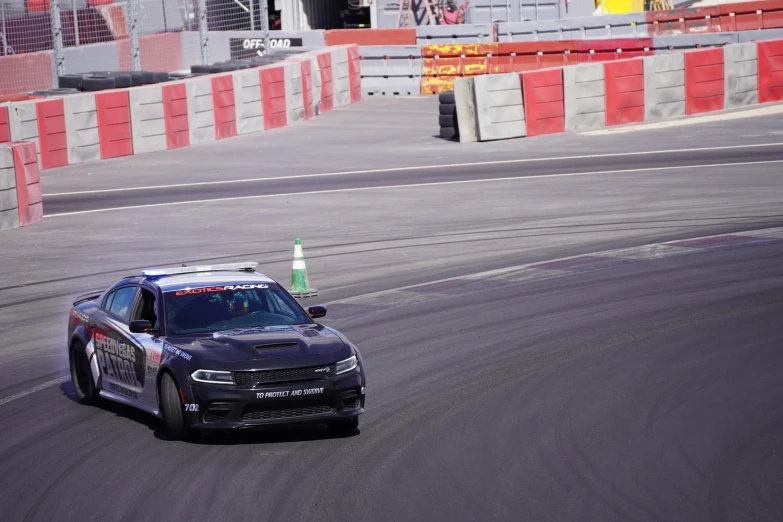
{"type": "Point", "coordinates": [213, 376]}
{"type": "Point", "coordinates": [346, 366]}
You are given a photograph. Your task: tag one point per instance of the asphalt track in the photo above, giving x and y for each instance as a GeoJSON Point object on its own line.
{"type": "Point", "coordinates": [647, 391]}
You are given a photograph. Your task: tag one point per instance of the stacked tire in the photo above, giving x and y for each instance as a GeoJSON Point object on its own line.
{"type": "Point", "coordinates": [104, 80]}
{"type": "Point", "coordinates": [447, 116]}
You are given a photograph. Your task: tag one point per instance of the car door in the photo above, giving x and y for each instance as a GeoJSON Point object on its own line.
{"type": "Point", "coordinates": [148, 308]}
{"type": "Point", "coordinates": [121, 360]}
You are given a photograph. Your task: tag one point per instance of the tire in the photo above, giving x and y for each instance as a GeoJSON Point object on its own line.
{"type": "Point", "coordinates": [344, 426]}
{"type": "Point", "coordinates": [81, 376]}
{"type": "Point", "coordinates": [448, 133]}
{"type": "Point", "coordinates": [446, 97]}
{"type": "Point", "coordinates": [70, 81]}
{"type": "Point", "coordinates": [97, 83]}
{"type": "Point", "coordinates": [239, 64]}
{"type": "Point", "coordinates": [160, 77]}
{"type": "Point", "coordinates": [447, 108]}
{"type": "Point", "coordinates": [200, 68]}
{"type": "Point", "coordinates": [171, 407]}
{"type": "Point", "coordinates": [222, 67]}
{"type": "Point", "coordinates": [56, 92]}
{"type": "Point", "coordinates": [448, 120]}
{"type": "Point", "coordinates": [121, 79]}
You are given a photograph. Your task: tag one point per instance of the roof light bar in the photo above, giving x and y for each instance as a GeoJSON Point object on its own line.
{"type": "Point", "coordinates": [160, 272]}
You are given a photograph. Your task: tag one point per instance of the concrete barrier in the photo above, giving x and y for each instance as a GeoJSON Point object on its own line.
{"type": "Point", "coordinates": [224, 112]}
{"type": "Point", "coordinates": [391, 70]}
{"type": "Point", "coordinates": [148, 119]}
{"type": "Point", "coordinates": [274, 97]}
{"type": "Point", "coordinates": [663, 44]}
{"type": "Point", "coordinates": [52, 138]}
{"type": "Point", "coordinates": [5, 130]}
{"type": "Point", "coordinates": [81, 124]}
{"type": "Point", "coordinates": [585, 96]}
{"type": "Point", "coordinates": [341, 76]}
{"type": "Point", "coordinates": [664, 86]}
{"type": "Point", "coordinates": [9, 209]}
{"type": "Point", "coordinates": [741, 77]}
{"type": "Point", "coordinates": [464, 96]}
{"type": "Point", "coordinates": [500, 111]}
{"type": "Point", "coordinates": [175, 109]}
{"type": "Point", "coordinates": [452, 34]}
{"type": "Point", "coordinates": [770, 62]}
{"type": "Point", "coordinates": [23, 122]}
{"type": "Point", "coordinates": [201, 120]}
{"type": "Point", "coordinates": [355, 73]}
{"type": "Point", "coordinates": [114, 123]}
{"type": "Point", "coordinates": [28, 183]}
{"type": "Point", "coordinates": [249, 107]}
{"type": "Point", "coordinates": [88, 58]}
{"type": "Point", "coordinates": [294, 96]}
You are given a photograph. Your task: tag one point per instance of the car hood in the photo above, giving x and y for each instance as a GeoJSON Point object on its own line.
{"type": "Point", "coordinates": [276, 347]}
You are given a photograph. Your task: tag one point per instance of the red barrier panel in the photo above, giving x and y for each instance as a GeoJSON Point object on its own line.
{"type": "Point", "coordinates": [114, 124]}
{"type": "Point", "coordinates": [704, 81]}
{"type": "Point", "coordinates": [223, 106]}
{"type": "Point", "coordinates": [773, 20]}
{"type": "Point", "coordinates": [355, 73]}
{"type": "Point", "coordinates": [273, 96]}
{"type": "Point", "coordinates": [52, 137]}
{"type": "Point", "coordinates": [770, 71]}
{"type": "Point", "coordinates": [685, 20]}
{"type": "Point", "coordinates": [624, 89]}
{"type": "Point", "coordinates": [589, 51]}
{"type": "Point", "coordinates": [542, 92]}
{"type": "Point", "coordinates": [175, 113]}
{"type": "Point", "coordinates": [25, 72]}
{"type": "Point", "coordinates": [749, 16]}
{"type": "Point", "coordinates": [28, 183]}
{"type": "Point", "coordinates": [5, 128]}
{"type": "Point", "coordinates": [327, 86]}
{"type": "Point", "coordinates": [403, 36]}
{"type": "Point", "coordinates": [530, 56]}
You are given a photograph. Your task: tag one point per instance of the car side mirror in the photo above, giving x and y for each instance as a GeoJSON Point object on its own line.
{"type": "Point", "coordinates": [141, 326]}
{"type": "Point", "coordinates": [316, 311]}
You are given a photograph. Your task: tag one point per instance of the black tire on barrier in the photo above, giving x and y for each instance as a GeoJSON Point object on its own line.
{"type": "Point", "coordinates": [446, 97]}
{"type": "Point", "coordinates": [160, 77]}
{"type": "Point", "coordinates": [220, 68]}
{"type": "Point", "coordinates": [448, 120]}
{"type": "Point", "coordinates": [447, 108]}
{"type": "Point", "coordinates": [121, 79]}
{"type": "Point", "coordinates": [448, 133]}
{"type": "Point", "coordinates": [239, 64]}
{"type": "Point", "coordinates": [200, 68]}
{"type": "Point", "coordinates": [70, 81]}
{"type": "Point", "coordinates": [93, 83]}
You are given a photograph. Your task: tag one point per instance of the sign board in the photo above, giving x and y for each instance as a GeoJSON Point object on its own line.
{"type": "Point", "coordinates": [249, 47]}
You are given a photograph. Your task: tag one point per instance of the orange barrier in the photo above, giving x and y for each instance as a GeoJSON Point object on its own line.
{"type": "Point", "coordinates": [527, 56]}
{"type": "Point", "coordinates": [223, 106]}
{"type": "Point", "coordinates": [28, 183]}
{"type": "Point", "coordinates": [175, 112]}
{"type": "Point", "coordinates": [442, 64]}
{"type": "Point", "coordinates": [624, 91]}
{"type": "Point", "coordinates": [542, 92]}
{"type": "Point", "coordinates": [114, 124]}
{"type": "Point", "coordinates": [704, 81]}
{"type": "Point", "coordinates": [404, 36]}
{"type": "Point", "coordinates": [51, 133]}
{"type": "Point", "coordinates": [770, 60]}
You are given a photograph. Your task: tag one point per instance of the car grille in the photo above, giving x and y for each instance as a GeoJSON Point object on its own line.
{"type": "Point", "coordinates": [243, 378]}
{"type": "Point", "coordinates": [286, 413]}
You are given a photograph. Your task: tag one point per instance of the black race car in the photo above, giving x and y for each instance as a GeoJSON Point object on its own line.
{"type": "Point", "coordinates": [213, 347]}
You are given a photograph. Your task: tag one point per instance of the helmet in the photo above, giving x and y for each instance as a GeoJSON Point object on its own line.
{"type": "Point", "coordinates": [238, 304]}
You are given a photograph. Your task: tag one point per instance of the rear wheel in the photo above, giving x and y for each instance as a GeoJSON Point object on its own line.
{"type": "Point", "coordinates": [81, 376]}
{"type": "Point", "coordinates": [171, 407]}
{"type": "Point", "coordinates": [344, 426]}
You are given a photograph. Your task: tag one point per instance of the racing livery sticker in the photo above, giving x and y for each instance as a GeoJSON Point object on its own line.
{"type": "Point", "coordinates": [289, 393]}
{"type": "Point", "coordinates": [207, 289]}
{"type": "Point", "coordinates": [176, 351]}
{"type": "Point", "coordinates": [153, 361]}
{"type": "Point", "coordinates": [119, 360]}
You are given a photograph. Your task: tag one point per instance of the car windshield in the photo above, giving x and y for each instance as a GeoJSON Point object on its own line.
{"type": "Point", "coordinates": [230, 307]}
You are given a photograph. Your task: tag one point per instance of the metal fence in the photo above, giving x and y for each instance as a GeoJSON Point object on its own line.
{"type": "Point", "coordinates": [43, 39]}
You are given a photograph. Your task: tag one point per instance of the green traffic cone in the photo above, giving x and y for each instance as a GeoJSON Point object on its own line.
{"type": "Point", "coordinates": [300, 285]}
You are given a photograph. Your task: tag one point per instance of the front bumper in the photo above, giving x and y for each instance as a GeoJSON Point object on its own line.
{"type": "Point", "coordinates": [219, 407]}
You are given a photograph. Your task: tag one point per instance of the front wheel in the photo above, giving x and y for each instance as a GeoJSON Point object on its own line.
{"type": "Point", "coordinates": [344, 426]}
{"type": "Point", "coordinates": [81, 376]}
{"type": "Point", "coordinates": [171, 407]}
